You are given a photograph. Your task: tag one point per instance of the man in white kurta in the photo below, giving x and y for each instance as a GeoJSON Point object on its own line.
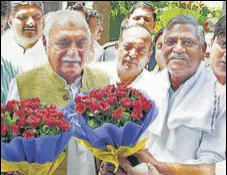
{"type": "Point", "coordinates": [191, 122]}
{"type": "Point", "coordinates": [133, 53]}
{"type": "Point", "coordinates": [22, 45]}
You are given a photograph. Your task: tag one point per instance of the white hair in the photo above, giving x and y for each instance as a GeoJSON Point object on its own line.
{"type": "Point", "coordinates": [63, 17]}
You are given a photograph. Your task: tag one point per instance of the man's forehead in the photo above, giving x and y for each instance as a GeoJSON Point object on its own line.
{"type": "Point", "coordinates": [179, 29]}
{"type": "Point", "coordinates": [142, 12]}
{"type": "Point", "coordinates": [27, 9]}
{"type": "Point", "coordinates": [76, 28]}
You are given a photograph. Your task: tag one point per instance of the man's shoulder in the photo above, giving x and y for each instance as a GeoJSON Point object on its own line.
{"type": "Point", "coordinates": [94, 71]}
{"type": "Point", "coordinates": [34, 72]}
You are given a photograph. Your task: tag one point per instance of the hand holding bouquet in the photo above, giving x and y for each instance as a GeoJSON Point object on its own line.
{"type": "Point", "coordinates": [110, 121]}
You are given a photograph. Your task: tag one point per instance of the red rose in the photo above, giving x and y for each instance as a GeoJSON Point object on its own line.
{"type": "Point", "coordinates": [41, 113]}
{"type": "Point", "coordinates": [2, 117]}
{"type": "Point", "coordinates": [135, 92]}
{"type": "Point", "coordinates": [104, 106]}
{"type": "Point", "coordinates": [80, 108]}
{"type": "Point", "coordinates": [137, 105]}
{"type": "Point", "coordinates": [3, 108]}
{"type": "Point", "coordinates": [121, 93]}
{"type": "Point", "coordinates": [109, 89]}
{"type": "Point", "coordinates": [29, 134]}
{"type": "Point", "coordinates": [117, 114]}
{"type": "Point", "coordinates": [94, 106]}
{"type": "Point", "coordinates": [11, 105]}
{"type": "Point", "coordinates": [78, 99]}
{"type": "Point", "coordinates": [145, 103]}
{"type": "Point", "coordinates": [64, 125]}
{"type": "Point", "coordinates": [3, 128]}
{"type": "Point", "coordinates": [34, 105]}
{"type": "Point", "coordinates": [122, 86]}
{"type": "Point", "coordinates": [19, 113]}
{"type": "Point", "coordinates": [21, 122]}
{"type": "Point", "coordinates": [97, 94]}
{"type": "Point", "coordinates": [33, 121]}
{"type": "Point", "coordinates": [51, 122]}
{"type": "Point", "coordinates": [14, 130]}
{"type": "Point", "coordinates": [28, 111]}
{"type": "Point", "coordinates": [137, 115]}
{"type": "Point", "coordinates": [111, 99]}
{"type": "Point", "coordinates": [126, 102]}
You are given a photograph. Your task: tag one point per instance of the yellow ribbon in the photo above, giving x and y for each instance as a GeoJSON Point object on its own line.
{"type": "Point", "coordinates": [112, 154]}
{"type": "Point", "coordinates": [32, 168]}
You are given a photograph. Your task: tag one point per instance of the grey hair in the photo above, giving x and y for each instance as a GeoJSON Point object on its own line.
{"type": "Point", "coordinates": [16, 4]}
{"type": "Point", "coordinates": [63, 17]}
{"type": "Point", "coordinates": [186, 19]}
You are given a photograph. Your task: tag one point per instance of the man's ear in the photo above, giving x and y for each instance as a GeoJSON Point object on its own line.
{"type": "Point", "coordinates": [10, 21]}
{"type": "Point", "coordinates": [116, 45]}
{"type": "Point", "coordinates": [204, 49]}
{"type": "Point", "coordinates": [44, 42]}
{"type": "Point", "coordinates": [153, 26]}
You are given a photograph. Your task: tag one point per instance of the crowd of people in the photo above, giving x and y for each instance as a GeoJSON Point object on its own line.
{"type": "Point", "coordinates": [56, 56]}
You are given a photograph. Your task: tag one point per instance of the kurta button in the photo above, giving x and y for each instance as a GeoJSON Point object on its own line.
{"type": "Point", "coordinates": [65, 97]}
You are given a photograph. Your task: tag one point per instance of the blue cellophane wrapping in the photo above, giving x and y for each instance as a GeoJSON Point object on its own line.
{"type": "Point", "coordinates": [37, 150]}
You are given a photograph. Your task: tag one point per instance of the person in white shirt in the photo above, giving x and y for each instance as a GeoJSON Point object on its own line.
{"type": "Point", "coordinates": [95, 22]}
{"type": "Point", "coordinates": [21, 45]}
{"type": "Point", "coordinates": [133, 51]}
{"type": "Point", "coordinates": [191, 124]}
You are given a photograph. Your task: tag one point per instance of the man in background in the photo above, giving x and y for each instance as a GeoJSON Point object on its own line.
{"type": "Point", "coordinates": [21, 45]}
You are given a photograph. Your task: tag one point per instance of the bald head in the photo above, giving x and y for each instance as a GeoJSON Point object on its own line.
{"type": "Point", "coordinates": [136, 31]}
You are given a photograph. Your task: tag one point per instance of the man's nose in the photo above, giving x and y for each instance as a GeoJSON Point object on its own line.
{"type": "Point", "coordinates": [141, 21]}
{"type": "Point", "coordinates": [30, 22]}
{"type": "Point", "coordinates": [178, 48]}
{"type": "Point", "coordinates": [72, 52]}
{"type": "Point", "coordinates": [133, 53]}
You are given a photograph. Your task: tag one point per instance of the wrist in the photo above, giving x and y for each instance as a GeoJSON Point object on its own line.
{"type": "Point", "coordinates": [164, 169]}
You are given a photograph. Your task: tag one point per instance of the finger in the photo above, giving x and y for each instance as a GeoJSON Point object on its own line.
{"type": "Point", "coordinates": [142, 156]}
{"type": "Point", "coordinates": [146, 157]}
{"type": "Point", "coordinates": [127, 168]}
{"type": "Point", "coordinates": [152, 170]}
{"type": "Point", "coordinates": [123, 160]}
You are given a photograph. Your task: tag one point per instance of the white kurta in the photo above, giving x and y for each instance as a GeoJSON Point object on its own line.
{"type": "Point", "coordinates": [110, 67]}
{"type": "Point", "coordinates": [191, 122]}
{"type": "Point", "coordinates": [220, 168]}
{"type": "Point", "coordinates": [12, 52]}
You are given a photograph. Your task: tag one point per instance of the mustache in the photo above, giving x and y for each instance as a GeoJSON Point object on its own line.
{"type": "Point", "coordinates": [70, 59]}
{"type": "Point", "coordinates": [29, 28]}
{"type": "Point", "coordinates": [179, 58]}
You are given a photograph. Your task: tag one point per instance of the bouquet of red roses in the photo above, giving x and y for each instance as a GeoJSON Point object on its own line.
{"type": "Point", "coordinates": [110, 121]}
{"type": "Point", "coordinates": [33, 137]}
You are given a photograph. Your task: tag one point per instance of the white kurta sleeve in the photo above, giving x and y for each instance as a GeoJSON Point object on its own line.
{"type": "Point", "coordinates": [213, 145]}
{"type": "Point", "coordinates": [220, 168]}
{"type": "Point", "coordinates": [13, 93]}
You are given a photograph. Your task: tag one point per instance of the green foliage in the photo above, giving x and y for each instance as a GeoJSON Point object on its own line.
{"type": "Point", "coordinates": [166, 10]}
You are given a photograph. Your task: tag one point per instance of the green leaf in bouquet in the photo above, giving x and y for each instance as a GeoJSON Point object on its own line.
{"type": "Point", "coordinates": [8, 120]}
{"type": "Point", "coordinates": [126, 117]}
{"type": "Point", "coordinates": [92, 123]}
